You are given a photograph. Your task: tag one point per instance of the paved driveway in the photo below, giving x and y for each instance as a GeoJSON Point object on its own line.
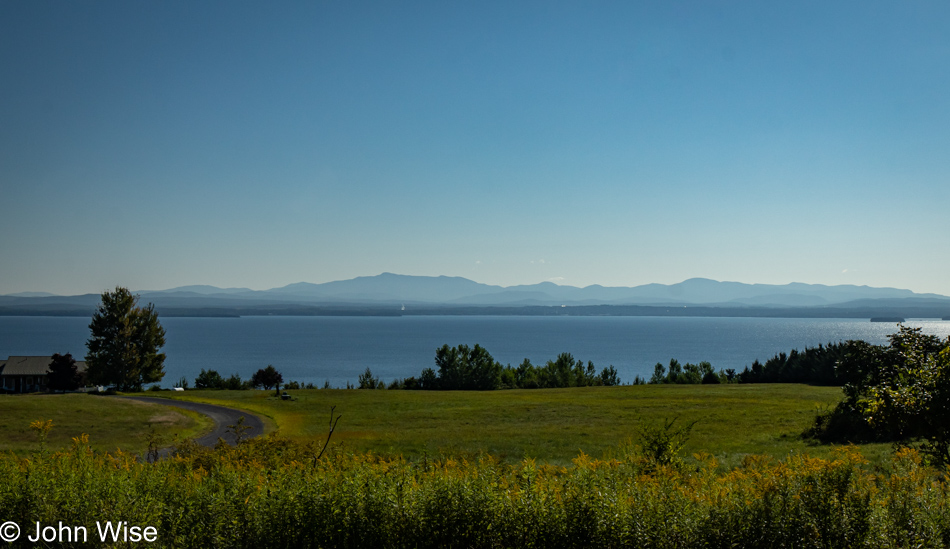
{"type": "Point", "coordinates": [221, 416]}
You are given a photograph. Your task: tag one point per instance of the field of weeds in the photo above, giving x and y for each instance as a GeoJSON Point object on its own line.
{"type": "Point", "coordinates": [274, 492]}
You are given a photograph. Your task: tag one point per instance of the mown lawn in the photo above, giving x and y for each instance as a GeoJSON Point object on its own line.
{"type": "Point", "coordinates": [551, 425]}
{"type": "Point", "coordinates": [110, 422]}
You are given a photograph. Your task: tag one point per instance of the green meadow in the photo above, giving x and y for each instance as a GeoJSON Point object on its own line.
{"type": "Point", "coordinates": [550, 425]}
{"type": "Point", "coordinates": [110, 422]}
{"type": "Point", "coordinates": [448, 469]}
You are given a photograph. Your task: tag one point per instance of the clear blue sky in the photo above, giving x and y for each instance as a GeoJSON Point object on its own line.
{"type": "Point", "coordinates": [158, 144]}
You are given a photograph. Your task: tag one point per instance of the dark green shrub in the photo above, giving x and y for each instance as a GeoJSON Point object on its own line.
{"type": "Point", "coordinates": [209, 379]}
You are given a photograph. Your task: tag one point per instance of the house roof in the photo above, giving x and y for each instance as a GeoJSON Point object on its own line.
{"type": "Point", "coordinates": [30, 366]}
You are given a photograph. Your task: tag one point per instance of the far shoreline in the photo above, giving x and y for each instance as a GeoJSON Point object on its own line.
{"type": "Point", "coordinates": [873, 314]}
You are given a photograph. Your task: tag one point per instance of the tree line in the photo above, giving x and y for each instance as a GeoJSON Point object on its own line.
{"type": "Point", "coordinates": [265, 378]}
{"type": "Point", "coordinates": [814, 366]}
{"type": "Point", "coordinates": [474, 369]}
{"type": "Point", "coordinates": [457, 368]}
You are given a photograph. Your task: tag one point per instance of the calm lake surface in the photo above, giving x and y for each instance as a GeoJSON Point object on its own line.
{"type": "Point", "coordinates": [338, 349]}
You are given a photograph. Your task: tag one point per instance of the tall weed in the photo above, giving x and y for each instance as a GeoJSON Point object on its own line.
{"type": "Point", "coordinates": [271, 492]}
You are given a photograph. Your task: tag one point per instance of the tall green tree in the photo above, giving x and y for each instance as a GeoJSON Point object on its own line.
{"type": "Point", "coordinates": [561, 372]}
{"type": "Point", "coordinates": [125, 343]}
{"type": "Point", "coordinates": [466, 368]}
{"type": "Point", "coordinates": [367, 380]}
{"type": "Point", "coordinates": [63, 375]}
{"type": "Point", "coordinates": [209, 380]}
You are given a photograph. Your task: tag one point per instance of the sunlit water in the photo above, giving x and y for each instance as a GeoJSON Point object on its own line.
{"type": "Point", "coordinates": [338, 349]}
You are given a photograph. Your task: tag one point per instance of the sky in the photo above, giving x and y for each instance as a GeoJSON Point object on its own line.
{"type": "Point", "coordinates": [249, 144]}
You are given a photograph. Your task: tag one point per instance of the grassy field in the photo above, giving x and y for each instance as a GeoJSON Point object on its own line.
{"type": "Point", "coordinates": [271, 492]}
{"type": "Point", "coordinates": [110, 422]}
{"type": "Point", "coordinates": [552, 425]}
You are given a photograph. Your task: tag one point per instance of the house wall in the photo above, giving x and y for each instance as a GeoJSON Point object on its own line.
{"type": "Point", "coordinates": [24, 384]}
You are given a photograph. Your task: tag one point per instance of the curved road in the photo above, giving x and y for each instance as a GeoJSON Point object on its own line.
{"type": "Point", "coordinates": [221, 416]}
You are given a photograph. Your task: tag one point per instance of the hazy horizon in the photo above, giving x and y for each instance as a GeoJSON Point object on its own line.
{"type": "Point", "coordinates": [241, 288]}
{"type": "Point", "coordinates": [557, 282]}
{"type": "Point", "coordinates": [158, 145]}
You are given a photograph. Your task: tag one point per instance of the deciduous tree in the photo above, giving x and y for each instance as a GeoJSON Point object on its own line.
{"type": "Point", "coordinates": [267, 378]}
{"type": "Point", "coordinates": [899, 391]}
{"type": "Point", "coordinates": [466, 368]}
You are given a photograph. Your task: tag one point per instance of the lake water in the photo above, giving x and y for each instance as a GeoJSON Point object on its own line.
{"type": "Point", "coordinates": [338, 349]}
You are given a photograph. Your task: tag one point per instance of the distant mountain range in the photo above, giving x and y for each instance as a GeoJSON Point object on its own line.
{"type": "Point", "coordinates": [389, 293]}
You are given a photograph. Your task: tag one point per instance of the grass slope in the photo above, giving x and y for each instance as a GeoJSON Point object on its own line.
{"type": "Point", "coordinates": [551, 425]}
{"type": "Point", "coordinates": [110, 422]}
